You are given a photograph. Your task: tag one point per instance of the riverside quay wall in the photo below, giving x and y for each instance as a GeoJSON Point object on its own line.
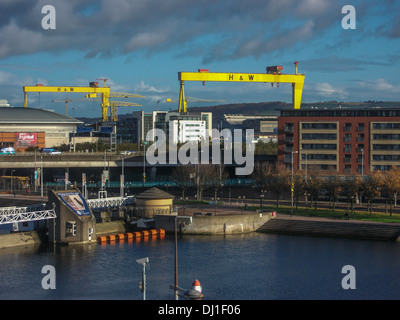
{"type": "Point", "coordinates": [215, 224]}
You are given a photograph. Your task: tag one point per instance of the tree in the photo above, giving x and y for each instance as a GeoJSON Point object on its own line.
{"type": "Point", "coordinates": [372, 187]}
{"type": "Point", "coordinates": [314, 186]}
{"type": "Point", "coordinates": [183, 176]}
{"type": "Point", "coordinates": [281, 181]}
{"type": "Point", "coordinates": [333, 186]}
{"type": "Point", "coordinates": [219, 175]}
{"type": "Point", "coordinates": [300, 184]}
{"type": "Point", "coordinates": [391, 185]}
{"type": "Point", "coordinates": [262, 173]}
{"type": "Point", "coordinates": [204, 176]}
{"type": "Point", "coordinates": [351, 186]}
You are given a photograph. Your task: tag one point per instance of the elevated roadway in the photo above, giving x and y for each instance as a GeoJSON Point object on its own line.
{"type": "Point", "coordinates": [86, 160]}
{"type": "Point", "coordinates": [71, 160]}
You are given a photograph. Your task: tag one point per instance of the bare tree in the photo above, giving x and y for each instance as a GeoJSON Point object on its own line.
{"type": "Point", "coordinates": [204, 176]}
{"type": "Point", "coordinates": [183, 176]}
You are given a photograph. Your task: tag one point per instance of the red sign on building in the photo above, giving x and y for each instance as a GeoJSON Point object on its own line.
{"type": "Point", "coordinates": [25, 139]}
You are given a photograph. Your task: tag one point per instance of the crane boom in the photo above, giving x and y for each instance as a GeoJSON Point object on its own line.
{"type": "Point", "coordinates": [104, 91]}
{"type": "Point", "coordinates": [297, 81]}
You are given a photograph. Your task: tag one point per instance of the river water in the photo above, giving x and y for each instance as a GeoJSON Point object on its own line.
{"type": "Point", "coordinates": [236, 267]}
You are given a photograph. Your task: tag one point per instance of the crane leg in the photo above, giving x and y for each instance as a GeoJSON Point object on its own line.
{"type": "Point", "coordinates": [297, 93]}
{"type": "Point", "coordinates": [182, 104]}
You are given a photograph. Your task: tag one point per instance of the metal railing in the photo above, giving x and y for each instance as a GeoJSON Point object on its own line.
{"type": "Point", "coordinates": [25, 214]}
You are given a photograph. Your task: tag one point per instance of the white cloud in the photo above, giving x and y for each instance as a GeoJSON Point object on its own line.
{"type": "Point", "coordinates": [142, 87]}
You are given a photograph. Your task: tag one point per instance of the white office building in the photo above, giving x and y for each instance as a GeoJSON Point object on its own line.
{"type": "Point", "coordinates": [187, 130]}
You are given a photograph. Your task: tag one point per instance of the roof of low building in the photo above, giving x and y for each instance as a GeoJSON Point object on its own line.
{"type": "Point", "coordinates": [20, 115]}
{"type": "Point", "coordinates": [154, 193]}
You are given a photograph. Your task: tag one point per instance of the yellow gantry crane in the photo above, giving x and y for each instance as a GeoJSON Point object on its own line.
{"type": "Point", "coordinates": [115, 104]}
{"type": "Point", "coordinates": [193, 100]}
{"type": "Point", "coordinates": [273, 75]}
{"type": "Point", "coordinates": [66, 101]}
{"type": "Point", "coordinates": [114, 107]}
{"type": "Point", "coordinates": [93, 91]}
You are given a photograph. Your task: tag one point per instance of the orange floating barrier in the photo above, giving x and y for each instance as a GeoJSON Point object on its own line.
{"type": "Point", "coordinates": [129, 235]}
{"type": "Point", "coordinates": [120, 237]}
{"type": "Point", "coordinates": [111, 237]}
{"type": "Point", "coordinates": [102, 239]}
{"type": "Point", "coordinates": [145, 233]}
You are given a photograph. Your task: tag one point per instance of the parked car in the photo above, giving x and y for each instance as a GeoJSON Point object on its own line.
{"type": "Point", "coordinates": [8, 150]}
{"type": "Point", "coordinates": [126, 153]}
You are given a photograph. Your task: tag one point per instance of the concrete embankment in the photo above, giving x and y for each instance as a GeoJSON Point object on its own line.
{"type": "Point", "coordinates": [322, 227]}
{"type": "Point", "coordinates": [223, 224]}
{"type": "Point", "coordinates": [19, 239]}
{"type": "Point", "coordinates": [118, 226]}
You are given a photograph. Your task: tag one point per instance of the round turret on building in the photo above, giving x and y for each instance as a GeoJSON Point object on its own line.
{"type": "Point", "coordinates": [154, 202]}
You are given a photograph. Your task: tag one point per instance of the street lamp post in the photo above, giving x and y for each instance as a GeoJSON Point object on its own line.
{"type": "Point", "coordinates": [292, 184]}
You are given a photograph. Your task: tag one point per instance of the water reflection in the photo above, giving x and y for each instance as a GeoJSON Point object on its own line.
{"type": "Point", "coordinates": [247, 266]}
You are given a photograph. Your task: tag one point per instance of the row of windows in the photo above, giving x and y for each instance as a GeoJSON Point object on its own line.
{"type": "Point", "coordinates": [325, 167]}
{"type": "Point", "coordinates": [342, 113]}
{"type": "Point", "coordinates": [386, 157]}
{"type": "Point", "coordinates": [319, 136]}
{"type": "Point", "coordinates": [386, 125]}
{"type": "Point", "coordinates": [386, 147]}
{"type": "Point", "coordinates": [318, 125]}
{"type": "Point", "coordinates": [318, 146]}
{"type": "Point", "coordinates": [388, 136]}
{"type": "Point", "coordinates": [318, 157]}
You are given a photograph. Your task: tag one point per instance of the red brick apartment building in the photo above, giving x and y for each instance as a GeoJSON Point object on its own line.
{"type": "Point", "coordinates": [348, 141]}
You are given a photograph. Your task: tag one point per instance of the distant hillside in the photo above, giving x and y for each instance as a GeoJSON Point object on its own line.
{"type": "Point", "coordinates": [268, 108]}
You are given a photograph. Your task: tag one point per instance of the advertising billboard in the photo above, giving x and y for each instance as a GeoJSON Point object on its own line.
{"type": "Point", "coordinates": [25, 139]}
{"type": "Point", "coordinates": [75, 202]}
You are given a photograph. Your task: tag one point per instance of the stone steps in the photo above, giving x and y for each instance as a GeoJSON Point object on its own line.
{"type": "Point", "coordinates": [341, 229]}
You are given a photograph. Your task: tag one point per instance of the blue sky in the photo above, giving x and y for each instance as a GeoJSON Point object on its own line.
{"type": "Point", "coordinates": [140, 46]}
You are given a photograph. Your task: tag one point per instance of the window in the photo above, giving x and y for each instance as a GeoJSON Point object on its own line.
{"type": "Point", "coordinates": [388, 125]}
{"type": "Point", "coordinates": [319, 136]}
{"type": "Point", "coordinates": [318, 156]}
{"type": "Point", "coordinates": [347, 127]}
{"type": "Point", "coordinates": [70, 228]}
{"type": "Point", "coordinates": [386, 147]}
{"type": "Point", "coordinates": [318, 125]}
{"type": "Point", "coordinates": [388, 136]}
{"type": "Point", "coordinates": [318, 146]}
{"type": "Point", "coordinates": [289, 127]}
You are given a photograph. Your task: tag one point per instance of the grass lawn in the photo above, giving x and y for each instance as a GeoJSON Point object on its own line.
{"type": "Point", "coordinates": [337, 214]}
{"type": "Point", "coordinates": [322, 212]}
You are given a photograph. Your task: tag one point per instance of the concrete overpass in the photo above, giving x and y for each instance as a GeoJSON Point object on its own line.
{"type": "Point", "coordinates": [86, 160]}
{"type": "Point", "coordinates": [70, 160]}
